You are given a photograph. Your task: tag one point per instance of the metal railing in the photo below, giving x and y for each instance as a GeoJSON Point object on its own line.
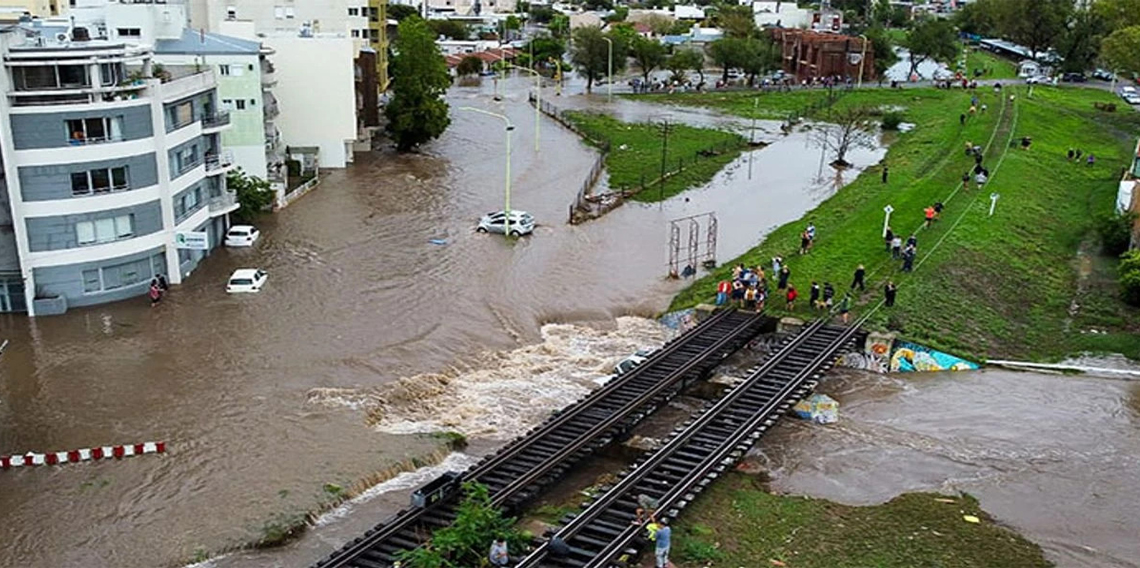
{"type": "Point", "coordinates": [217, 119]}
{"type": "Point", "coordinates": [222, 202]}
{"type": "Point", "coordinates": [220, 160]}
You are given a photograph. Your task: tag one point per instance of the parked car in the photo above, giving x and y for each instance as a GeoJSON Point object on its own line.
{"type": "Point", "coordinates": [246, 280]}
{"type": "Point", "coordinates": [1103, 75]}
{"type": "Point", "coordinates": [521, 222]}
{"type": "Point", "coordinates": [626, 365]}
{"type": "Point", "coordinates": [1131, 98]}
{"type": "Point", "coordinates": [1038, 80]}
{"type": "Point", "coordinates": [1074, 78]}
{"type": "Point", "coordinates": [242, 236]}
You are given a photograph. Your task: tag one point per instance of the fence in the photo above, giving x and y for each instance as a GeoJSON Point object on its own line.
{"type": "Point", "coordinates": [580, 204]}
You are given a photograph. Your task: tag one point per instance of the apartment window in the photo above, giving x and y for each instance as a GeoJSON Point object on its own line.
{"type": "Point", "coordinates": [121, 275]}
{"type": "Point", "coordinates": [290, 13]}
{"type": "Point", "coordinates": [354, 11]}
{"type": "Point", "coordinates": [227, 104]}
{"type": "Point", "coordinates": [186, 159]}
{"type": "Point", "coordinates": [187, 203]}
{"type": "Point", "coordinates": [279, 12]}
{"type": "Point", "coordinates": [224, 70]}
{"type": "Point", "coordinates": [252, 102]}
{"type": "Point", "coordinates": [91, 281]}
{"type": "Point", "coordinates": [93, 130]}
{"type": "Point", "coordinates": [111, 73]}
{"type": "Point", "coordinates": [231, 12]}
{"type": "Point", "coordinates": [129, 32]}
{"type": "Point", "coordinates": [102, 180]}
{"type": "Point", "coordinates": [104, 230]}
{"type": "Point", "coordinates": [374, 35]}
{"type": "Point", "coordinates": [355, 33]}
{"type": "Point", "coordinates": [239, 104]}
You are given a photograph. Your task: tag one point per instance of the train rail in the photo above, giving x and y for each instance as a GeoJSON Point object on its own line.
{"type": "Point", "coordinates": [518, 471]}
{"type": "Point", "coordinates": [697, 453]}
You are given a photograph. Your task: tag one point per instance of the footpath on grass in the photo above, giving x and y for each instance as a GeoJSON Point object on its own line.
{"type": "Point", "coordinates": [984, 286]}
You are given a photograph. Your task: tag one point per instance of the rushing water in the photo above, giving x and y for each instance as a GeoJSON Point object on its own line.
{"type": "Point", "coordinates": [1055, 457]}
{"type": "Point", "coordinates": [363, 336]}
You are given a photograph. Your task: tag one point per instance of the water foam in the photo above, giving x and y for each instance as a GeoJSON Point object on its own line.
{"type": "Point", "coordinates": [500, 395]}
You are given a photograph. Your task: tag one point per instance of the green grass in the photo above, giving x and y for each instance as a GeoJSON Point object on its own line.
{"type": "Point", "coordinates": [1000, 68]}
{"type": "Point", "coordinates": [736, 522]}
{"type": "Point", "coordinates": [996, 286]}
{"type": "Point", "coordinates": [635, 154]}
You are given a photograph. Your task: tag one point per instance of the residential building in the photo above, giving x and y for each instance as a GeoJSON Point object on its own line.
{"type": "Point", "coordinates": [108, 165]}
{"type": "Point", "coordinates": [290, 17]}
{"type": "Point", "coordinates": [12, 10]}
{"type": "Point", "coordinates": [473, 7]}
{"type": "Point", "coordinates": [781, 15]}
{"type": "Point", "coordinates": [808, 54]}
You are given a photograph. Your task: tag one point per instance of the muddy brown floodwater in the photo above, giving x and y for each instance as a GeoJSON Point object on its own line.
{"type": "Point", "coordinates": [1054, 457]}
{"type": "Point", "coordinates": [260, 396]}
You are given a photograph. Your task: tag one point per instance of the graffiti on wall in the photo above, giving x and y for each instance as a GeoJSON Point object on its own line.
{"type": "Point", "coordinates": [680, 320]}
{"type": "Point", "coordinates": [909, 356]}
{"type": "Point", "coordinates": [873, 362]}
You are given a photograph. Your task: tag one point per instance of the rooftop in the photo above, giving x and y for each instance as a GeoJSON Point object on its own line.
{"type": "Point", "coordinates": [206, 43]}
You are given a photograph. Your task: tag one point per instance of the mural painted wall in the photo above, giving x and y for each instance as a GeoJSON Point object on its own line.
{"type": "Point", "coordinates": [909, 356]}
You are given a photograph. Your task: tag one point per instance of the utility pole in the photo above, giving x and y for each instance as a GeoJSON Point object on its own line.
{"type": "Point", "coordinates": [752, 136]}
{"type": "Point", "coordinates": [665, 128]}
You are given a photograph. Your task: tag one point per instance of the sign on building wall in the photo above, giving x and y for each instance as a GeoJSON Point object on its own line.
{"type": "Point", "coordinates": [193, 240]}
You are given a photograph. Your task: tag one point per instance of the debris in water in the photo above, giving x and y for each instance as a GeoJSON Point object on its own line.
{"type": "Point", "coordinates": [818, 408]}
{"type": "Point", "coordinates": [438, 241]}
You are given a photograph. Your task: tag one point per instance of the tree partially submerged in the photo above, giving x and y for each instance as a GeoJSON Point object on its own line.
{"type": "Point", "coordinates": [648, 54]}
{"type": "Point", "coordinates": [591, 54]}
{"type": "Point", "coordinates": [469, 65]}
{"type": "Point", "coordinates": [253, 194]}
{"type": "Point", "coordinates": [466, 541]}
{"type": "Point", "coordinates": [417, 112]}
{"type": "Point", "coordinates": [849, 128]}
{"type": "Point", "coordinates": [931, 38]}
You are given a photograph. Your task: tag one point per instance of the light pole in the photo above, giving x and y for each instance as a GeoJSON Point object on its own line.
{"type": "Point", "coordinates": [862, 60]}
{"type": "Point", "coordinates": [610, 72]}
{"type": "Point", "coordinates": [538, 100]}
{"type": "Point", "coordinates": [507, 191]}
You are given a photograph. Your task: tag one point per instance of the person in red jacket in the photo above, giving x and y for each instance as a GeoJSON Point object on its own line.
{"type": "Point", "coordinates": [722, 290]}
{"type": "Point", "coordinates": [792, 294]}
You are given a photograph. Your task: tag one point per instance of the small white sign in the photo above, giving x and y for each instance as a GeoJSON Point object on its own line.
{"type": "Point", "coordinates": [193, 240]}
{"type": "Point", "coordinates": [888, 210]}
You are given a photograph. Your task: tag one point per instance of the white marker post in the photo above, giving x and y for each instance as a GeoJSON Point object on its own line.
{"type": "Point", "coordinates": [887, 220]}
{"type": "Point", "coordinates": [993, 202]}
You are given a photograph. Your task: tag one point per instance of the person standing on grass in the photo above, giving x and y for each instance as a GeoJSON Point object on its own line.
{"type": "Point", "coordinates": [908, 258]}
{"type": "Point", "coordinates": [912, 241]}
{"type": "Point", "coordinates": [777, 263]}
{"type": "Point", "coordinates": [750, 298]}
{"type": "Point", "coordinates": [1070, 154]}
{"type": "Point", "coordinates": [722, 290]}
{"type": "Point", "coordinates": [785, 273]}
{"type": "Point", "coordinates": [805, 242]}
{"type": "Point", "coordinates": [738, 293]}
{"type": "Point", "coordinates": [929, 212]}
{"type": "Point", "coordinates": [886, 173]}
{"type": "Point", "coordinates": [664, 542]}
{"type": "Point", "coordinates": [962, 119]}
{"type": "Point", "coordinates": [828, 294]}
{"type": "Point", "coordinates": [845, 308]}
{"type": "Point", "coordinates": [890, 236]}
{"type": "Point", "coordinates": [890, 290]}
{"type": "Point", "coordinates": [860, 272]}
{"type": "Point", "coordinates": [966, 180]}
{"type": "Point", "coordinates": [1077, 154]}
{"type": "Point", "coordinates": [937, 210]}
{"type": "Point", "coordinates": [811, 232]}
{"type": "Point", "coordinates": [792, 295]}
{"type": "Point", "coordinates": [896, 247]}
{"type": "Point", "coordinates": [813, 295]}
{"type": "Point", "coordinates": [1091, 160]}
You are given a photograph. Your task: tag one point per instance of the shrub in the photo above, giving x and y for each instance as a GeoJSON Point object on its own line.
{"type": "Point", "coordinates": [1130, 276]}
{"type": "Point", "coordinates": [891, 120]}
{"type": "Point", "coordinates": [1115, 232]}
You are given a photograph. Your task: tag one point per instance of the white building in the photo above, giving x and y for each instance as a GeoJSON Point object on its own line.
{"type": "Point", "coordinates": [290, 17]}
{"type": "Point", "coordinates": [780, 14]}
{"type": "Point", "coordinates": [107, 171]}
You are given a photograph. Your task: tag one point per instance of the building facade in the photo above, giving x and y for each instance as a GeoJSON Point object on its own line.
{"type": "Point", "coordinates": [108, 162]}
{"type": "Point", "coordinates": [808, 54]}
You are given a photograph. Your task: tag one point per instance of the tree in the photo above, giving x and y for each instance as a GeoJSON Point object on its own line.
{"type": "Point", "coordinates": [541, 14]}
{"type": "Point", "coordinates": [681, 27]}
{"type": "Point", "coordinates": [252, 193]}
{"type": "Point", "coordinates": [1079, 45]}
{"type": "Point", "coordinates": [619, 15]}
{"type": "Point", "coordinates": [659, 23]}
{"type": "Point", "coordinates": [882, 49]}
{"type": "Point", "coordinates": [760, 56]}
{"type": "Point", "coordinates": [417, 112]}
{"type": "Point", "coordinates": [469, 65]}
{"type": "Point", "coordinates": [560, 25]}
{"type": "Point", "coordinates": [1034, 23]}
{"type": "Point", "coordinates": [1129, 269]}
{"type": "Point", "coordinates": [1121, 50]}
{"type": "Point", "coordinates": [736, 20]}
{"type": "Point", "coordinates": [400, 11]}
{"type": "Point", "coordinates": [850, 127]}
{"type": "Point", "coordinates": [728, 54]}
{"type": "Point", "coordinates": [648, 54]}
{"type": "Point", "coordinates": [591, 54]}
{"type": "Point", "coordinates": [931, 38]}
{"type": "Point", "coordinates": [465, 541]}
{"type": "Point", "coordinates": [599, 5]}
{"type": "Point", "coordinates": [545, 49]}
{"type": "Point", "coordinates": [979, 18]}
{"type": "Point", "coordinates": [1118, 14]}
{"type": "Point", "coordinates": [450, 28]}
{"type": "Point", "coordinates": [687, 60]}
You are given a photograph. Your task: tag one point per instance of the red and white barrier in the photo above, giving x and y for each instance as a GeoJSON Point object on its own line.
{"type": "Point", "coordinates": [86, 454]}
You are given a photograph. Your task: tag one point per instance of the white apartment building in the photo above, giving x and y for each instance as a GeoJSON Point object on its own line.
{"type": "Point", "coordinates": [108, 168]}
{"type": "Point", "coordinates": [271, 17]}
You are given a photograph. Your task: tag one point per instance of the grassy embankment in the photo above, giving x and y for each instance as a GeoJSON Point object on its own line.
{"type": "Point", "coordinates": [1000, 68]}
{"type": "Point", "coordinates": [736, 522]}
{"type": "Point", "coordinates": [635, 154]}
{"type": "Point", "coordinates": [996, 286]}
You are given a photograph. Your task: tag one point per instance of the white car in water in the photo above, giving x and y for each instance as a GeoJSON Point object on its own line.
{"type": "Point", "coordinates": [242, 236]}
{"type": "Point", "coordinates": [521, 223]}
{"type": "Point", "coordinates": [246, 280]}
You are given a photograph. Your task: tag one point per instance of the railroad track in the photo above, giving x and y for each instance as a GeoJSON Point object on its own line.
{"type": "Point", "coordinates": [698, 452]}
{"type": "Point", "coordinates": [518, 471]}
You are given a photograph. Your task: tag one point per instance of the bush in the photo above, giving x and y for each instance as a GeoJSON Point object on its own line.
{"type": "Point", "coordinates": [1115, 232]}
{"type": "Point", "coordinates": [1130, 276]}
{"type": "Point", "coordinates": [891, 120]}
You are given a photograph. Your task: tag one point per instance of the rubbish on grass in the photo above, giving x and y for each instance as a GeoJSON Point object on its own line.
{"type": "Point", "coordinates": [945, 500]}
{"type": "Point", "coordinates": [971, 519]}
{"type": "Point", "coordinates": [438, 241]}
{"type": "Point", "coordinates": [818, 408]}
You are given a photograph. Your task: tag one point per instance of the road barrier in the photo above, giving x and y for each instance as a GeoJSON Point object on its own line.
{"type": "Point", "coordinates": [86, 454]}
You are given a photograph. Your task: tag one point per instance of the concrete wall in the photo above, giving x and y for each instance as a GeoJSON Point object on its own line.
{"type": "Point", "coordinates": [40, 183]}
{"type": "Point", "coordinates": [312, 116]}
{"type": "Point", "coordinates": [49, 130]}
{"type": "Point", "coordinates": [68, 280]}
{"type": "Point", "coordinates": [58, 232]}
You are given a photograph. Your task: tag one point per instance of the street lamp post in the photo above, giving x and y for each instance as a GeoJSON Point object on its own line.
{"type": "Point", "coordinates": [507, 190]}
{"type": "Point", "coordinates": [538, 101]}
{"type": "Point", "coordinates": [610, 72]}
{"type": "Point", "coordinates": [862, 60]}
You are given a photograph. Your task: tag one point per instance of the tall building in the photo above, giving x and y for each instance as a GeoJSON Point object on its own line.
{"type": "Point", "coordinates": [111, 165]}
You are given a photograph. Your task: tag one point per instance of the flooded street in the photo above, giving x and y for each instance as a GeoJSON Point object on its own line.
{"type": "Point", "coordinates": [360, 340]}
{"type": "Point", "coordinates": [1054, 457]}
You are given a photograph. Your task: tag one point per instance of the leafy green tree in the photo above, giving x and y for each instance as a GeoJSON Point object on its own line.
{"type": "Point", "coordinates": [1115, 232]}
{"type": "Point", "coordinates": [545, 49]}
{"type": "Point", "coordinates": [728, 54]}
{"type": "Point", "coordinates": [465, 542]}
{"type": "Point", "coordinates": [1129, 270]}
{"type": "Point", "coordinates": [512, 22]}
{"type": "Point", "coordinates": [980, 17]}
{"type": "Point", "coordinates": [620, 14]}
{"type": "Point", "coordinates": [1079, 45]}
{"type": "Point", "coordinates": [760, 57]}
{"type": "Point", "coordinates": [1036, 24]}
{"type": "Point", "coordinates": [1118, 14]}
{"type": "Point", "coordinates": [417, 112]}
{"type": "Point", "coordinates": [541, 14]}
{"type": "Point", "coordinates": [253, 194]}
{"type": "Point", "coordinates": [648, 55]}
{"type": "Point", "coordinates": [591, 54]}
{"type": "Point", "coordinates": [883, 49]}
{"type": "Point", "coordinates": [687, 60]}
{"type": "Point", "coordinates": [659, 24]}
{"type": "Point", "coordinates": [931, 38]}
{"type": "Point", "coordinates": [1121, 50]}
{"type": "Point", "coordinates": [681, 27]}
{"type": "Point", "coordinates": [469, 65]}
{"type": "Point", "coordinates": [737, 21]}
{"type": "Point", "coordinates": [400, 11]}
{"type": "Point", "coordinates": [560, 25]}
{"type": "Point", "coordinates": [450, 29]}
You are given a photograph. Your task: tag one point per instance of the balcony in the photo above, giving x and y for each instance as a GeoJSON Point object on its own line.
{"type": "Point", "coordinates": [272, 142]}
{"type": "Point", "coordinates": [219, 162]}
{"type": "Point", "coordinates": [216, 120]}
{"type": "Point", "coordinates": [223, 203]}
{"type": "Point", "coordinates": [271, 110]}
{"type": "Point", "coordinates": [268, 79]}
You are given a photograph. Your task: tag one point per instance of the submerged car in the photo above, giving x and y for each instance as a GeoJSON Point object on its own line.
{"type": "Point", "coordinates": [242, 236]}
{"type": "Point", "coordinates": [246, 280]}
{"type": "Point", "coordinates": [521, 223]}
{"type": "Point", "coordinates": [629, 363]}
